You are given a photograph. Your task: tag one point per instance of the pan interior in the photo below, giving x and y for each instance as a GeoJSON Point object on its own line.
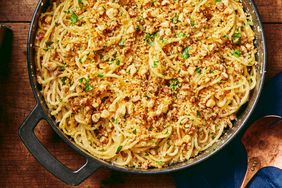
{"type": "Point", "coordinates": [243, 114]}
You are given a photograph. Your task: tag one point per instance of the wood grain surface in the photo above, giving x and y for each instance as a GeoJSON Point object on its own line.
{"type": "Point", "coordinates": [17, 167]}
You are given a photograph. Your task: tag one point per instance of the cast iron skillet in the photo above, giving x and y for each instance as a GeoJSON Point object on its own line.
{"type": "Point", "coordinates": [40, 111]}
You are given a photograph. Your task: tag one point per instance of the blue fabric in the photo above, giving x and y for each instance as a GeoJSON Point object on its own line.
{"type": "Point", "coordinates": [228, 167]}
{"type": "Point", "coordinates": [268, 177]}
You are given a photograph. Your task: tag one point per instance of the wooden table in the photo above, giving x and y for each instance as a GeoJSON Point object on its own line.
{"type": "Point", "coordinates": [17, 167]}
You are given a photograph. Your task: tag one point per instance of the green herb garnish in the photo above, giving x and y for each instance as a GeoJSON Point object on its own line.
{"type": "Point", "coordinates": [48, 44]}
{"type": "Point", "coordinates": [115, 120]}
{"type": "Point", "coordinates": [236, 37]}
{"type": "Point", "coordinates": [160, 163]}
{"type": "Point", "coordinates": [63, 79]}
{"type": "Point", "coordinates": [185, 53]}
{"type": "Point", "coordinates": [100, 75]}
{"type": "Point", "coordinates": [81, 80]}
{"type": "Point", "coordinates": [88, 87]}
{"type": "Point", "coordinates": [237, 53]}
{"type": "Point", "coordinates": [173, 84]}
{"type": "Point", "coordinates": [198, 114]}
{"type": "Point", "coordinates": [118, 149]}
{"type": "Point", "coordinates": [181, 35]}
{"type": "Point", "coordinates": [174, 19]}
{"type": "Point", "coordinates": [73, 18]}
{"type": "Point", "coordinates": [198, 70]}
{"type": "Point", "coordinates": [118, 62]}
{"type": "Point", "coordinates": [62, 68]}
{"type": "Point", "coordinates": [155, 64]}
{"type": "Point", "coordinates": [163, 40]}
{"type": "Point", "coordinates": [121, 43]}
{"type": "Point", "coordinates": [150, 37]}
{"type": "Point", "coordinates": [134, 131]}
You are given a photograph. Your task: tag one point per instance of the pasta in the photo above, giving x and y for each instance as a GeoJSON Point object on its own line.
{"type": "Point", "coordinates": [145, 83]}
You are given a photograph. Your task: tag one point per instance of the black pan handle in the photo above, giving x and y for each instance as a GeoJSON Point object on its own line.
{"type": "Point", "coordinates": [26, 132]}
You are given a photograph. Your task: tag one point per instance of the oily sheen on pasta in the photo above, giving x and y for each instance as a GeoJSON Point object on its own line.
{"type": "Point", "coordinates": [145, 83]}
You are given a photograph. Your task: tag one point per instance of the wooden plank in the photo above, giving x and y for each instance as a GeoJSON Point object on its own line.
{"type": "Point", "coordinates": [16, 101]}
{"type": "Point", "coordinates": [22, 10]}
{"type": "Point", "coordinates": [270, 10]}
{"type": "Point", "coordinates": [274, 48]}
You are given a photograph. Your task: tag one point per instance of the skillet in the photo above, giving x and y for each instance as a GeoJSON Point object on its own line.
{"type": "Point", "coordinates": [40, 111]}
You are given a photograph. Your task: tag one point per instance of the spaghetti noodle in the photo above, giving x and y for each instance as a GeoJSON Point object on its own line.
{"type": "Point", "coordinates": [145, 83]}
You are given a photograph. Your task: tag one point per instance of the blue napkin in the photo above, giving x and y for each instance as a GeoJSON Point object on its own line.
{"type": "Point", "coordinates": [267, 177]}
{"type": "Point", "coordinates": [228, 167]}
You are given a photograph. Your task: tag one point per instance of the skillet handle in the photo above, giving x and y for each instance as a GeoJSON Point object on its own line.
{"type": "Point", "coordinates": [26, 133]}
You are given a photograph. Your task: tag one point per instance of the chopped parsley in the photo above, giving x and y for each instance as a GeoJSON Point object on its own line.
{"type": "Point", "coordinates": [193, 23]}
{"type": "Point", "coordinates": [236, 37]}
{"type": "Point", "coordinates": [198, 70]}
{"type": "Point", "coordinates": [163, 40]}
{"type": "Point", "coordinates": [173, 84]}
{"type": "Point", "coordinates": [73, 18]}
{"type": "Point", "coordinates": [100, 75]}
{"type": "Point", "coordinates": [237, 53]}
{"type": "Point", "coordinates": [118, 149]}
{"type": "Point", "coordinates": [160, 163]}
{"type": "Point", "coordinates": [121, 43]}
{"type": "Point", "coordinates": [155, 64]}
{"type": "Point", "coordinates": [62, 68]}
{"type": "Point", "coordinates": [115, 120]}
{"type": "Point", "coordinates": [134, 131]}
{"type": "Point", "coordinates": [198, 114]}
{"type": "Point", "coordinates": [217, 1]}
{"type": "Point", "coordinates": [79, 1]}
{"type": "Point", "coordinates": [101, 56]}
{"type": "Point", "coordinates": [138, 28]}
{"type": "Point", "coordinates": [81, 79]}
{"type": "Point", "coordinates": [181, 35]}
{"type": "Point", "coordinates": [87, 86]}
{"type": "Point", "coordinates": [174, 19]}
{"type": "Point", "coordinates": [48, 45]}
{"type": "Point", "coordinates": [63, 79]}
{"type": "Point", "coordinates": [118, 62]}
{"type": "Point", "coordinates": [185, 53]}
{"type": "Point", "coordinates": [150, 37]}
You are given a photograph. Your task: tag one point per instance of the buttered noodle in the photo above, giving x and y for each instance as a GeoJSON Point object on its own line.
{"type": "Point", "coordinates": [145, 83]}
